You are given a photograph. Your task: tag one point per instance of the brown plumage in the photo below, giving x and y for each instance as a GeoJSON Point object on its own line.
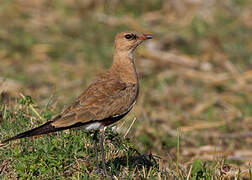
{"type": "Point", "coordinates": [109, 98]}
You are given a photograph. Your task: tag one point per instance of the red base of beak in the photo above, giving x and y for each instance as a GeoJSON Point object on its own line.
{"type": "Point", "coordinates": [145, 37]}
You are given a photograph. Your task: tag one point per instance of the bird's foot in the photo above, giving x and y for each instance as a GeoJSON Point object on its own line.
{"type": "Point", "coordinates": [101, 172]}
{"type": "Point", "coordinates": [98, 171]}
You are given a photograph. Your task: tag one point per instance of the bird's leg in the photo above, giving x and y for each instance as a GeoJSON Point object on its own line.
{"type": "Point", "coordinates": [96, 151]}
{"type": "Point", "coordinates": [102, 152]}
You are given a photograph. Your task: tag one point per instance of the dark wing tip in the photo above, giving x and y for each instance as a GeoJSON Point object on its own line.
{"type": "Point", "coordinates": [43, 129]}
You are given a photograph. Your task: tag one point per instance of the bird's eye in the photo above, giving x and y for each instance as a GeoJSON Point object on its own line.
{"type": "Point", "coordinates": [128, 36]}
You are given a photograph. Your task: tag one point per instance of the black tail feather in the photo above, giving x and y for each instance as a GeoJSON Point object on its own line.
{"type": "Point", "coordinates": [43, 129]}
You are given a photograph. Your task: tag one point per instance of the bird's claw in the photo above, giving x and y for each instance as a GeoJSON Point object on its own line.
{"type": "Point", "coordinates": [101, 172]}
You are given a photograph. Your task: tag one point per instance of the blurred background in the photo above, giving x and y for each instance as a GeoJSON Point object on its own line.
{"type": "Point", "coordinates": [195, 73]}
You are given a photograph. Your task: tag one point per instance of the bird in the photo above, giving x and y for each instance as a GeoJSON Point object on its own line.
{"type": "Point", "coordinates": [105, 101]}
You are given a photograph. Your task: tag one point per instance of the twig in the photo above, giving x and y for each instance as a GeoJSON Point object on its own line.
{"type": "Point", "coordinates": [189, 174]}
{"type": "Point", "coordinates": [120, 125]}
{"type": "Point", "coordinates": [32, 108]}
{"type": "Point", "coordinates": [177, 162]}
{"type": "Point", "coordinates": [235, 135]}
{"type": "Point", "coordinates": [202, 125]}
{"type": "Point", "coordinates": [166, 59]}
{"type": "Point", "coordinates": [129, 127]}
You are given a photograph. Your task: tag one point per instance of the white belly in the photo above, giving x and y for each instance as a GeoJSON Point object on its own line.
{"type": "Point", "coordinates": [93, 126]}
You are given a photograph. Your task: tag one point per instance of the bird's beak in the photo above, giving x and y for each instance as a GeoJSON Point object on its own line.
{"type": "Point", "coordinates": [145, 37]}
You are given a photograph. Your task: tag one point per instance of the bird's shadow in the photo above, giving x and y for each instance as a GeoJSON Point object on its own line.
{"type": "Point", "coordinates": [131, 160]}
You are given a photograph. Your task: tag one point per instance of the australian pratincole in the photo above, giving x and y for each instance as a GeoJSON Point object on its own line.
{"type": "Point", "coordinates": [108, 99]}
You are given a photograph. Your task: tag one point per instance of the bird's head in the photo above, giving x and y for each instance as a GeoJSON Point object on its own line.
{"type": "Point", "coordinates": [128, 41]}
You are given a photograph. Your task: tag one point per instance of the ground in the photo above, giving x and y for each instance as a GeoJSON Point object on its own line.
{"type": "Point", "coordinates": [193, 117]}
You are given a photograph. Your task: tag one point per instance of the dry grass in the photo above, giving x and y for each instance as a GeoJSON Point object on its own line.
{"type": "Point", "coordinates": [195, 74]}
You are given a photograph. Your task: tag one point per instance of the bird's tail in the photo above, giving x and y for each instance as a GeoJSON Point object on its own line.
{"type": "Point", "coordinates": [43, 129]}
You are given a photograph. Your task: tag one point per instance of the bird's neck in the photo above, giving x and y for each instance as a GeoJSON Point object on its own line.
{"type": "Point", "coordinates": [124, 66]}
